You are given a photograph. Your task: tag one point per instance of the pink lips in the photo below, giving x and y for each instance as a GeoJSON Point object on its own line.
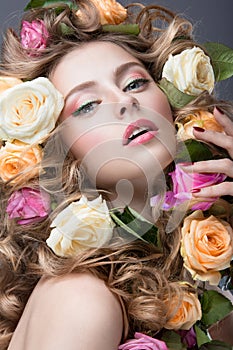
{"type": "Point", "coordinates": [143, 138]}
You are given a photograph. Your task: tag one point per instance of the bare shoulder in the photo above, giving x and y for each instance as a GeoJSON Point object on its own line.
{"type": "Point", "coordinates": [76, 285]}
{"type": "Point", "coordinates": [77, 312]}
{"type": "Point", "coordinates": [79, 290]}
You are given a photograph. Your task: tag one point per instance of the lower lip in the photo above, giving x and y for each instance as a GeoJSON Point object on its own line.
{"type": "Point", "coordinates": [144, 138]}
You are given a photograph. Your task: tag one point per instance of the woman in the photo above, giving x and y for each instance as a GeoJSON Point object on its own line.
{"type": "Point", "coordinates": [61, 285]}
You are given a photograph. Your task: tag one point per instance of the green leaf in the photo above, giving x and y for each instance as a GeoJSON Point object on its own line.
{"type": "Point", "coordinates": [125, 226]}
{"type": "Point", "coordinates": [173, 340]}
{"type": "Point", "coordinates": [218, 209]}
{"type": "Point", "coordinates": [202, 337]}
{"type": "Point", "coordinates": [216, 345]}
{"type": "Point", "coordinates": [222, 60]}
{"type": "Point", "coordinates": [192, 151]}
{"type": "Point", "coordinates": [214, 307]}
{"type": "Point", "coordinates": [132, 222]}
{"type": "Point", "coordinates": [136, 215]}
{"type": "Point", "coordinates": [177, 98]}
{"type": "Point", "coordinates": [140, 224]}
{"type": "Point", "coordinates": [122, 28]}
{"type": "Point", "coordinates": [45, 3]}
{"type": "Point", "coordinates": [34, 4]}
{"type": "Point", "coordinates": [65, 29]}
{"type": "Point", "coordinates": [152, 236]}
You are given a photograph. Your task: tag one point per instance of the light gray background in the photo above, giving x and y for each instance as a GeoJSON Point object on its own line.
{"type": "Point", "coordinates": [212, 21]}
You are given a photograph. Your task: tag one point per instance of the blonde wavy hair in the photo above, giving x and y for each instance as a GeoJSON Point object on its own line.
{"type": "Point", "coordinates": [141, 277]}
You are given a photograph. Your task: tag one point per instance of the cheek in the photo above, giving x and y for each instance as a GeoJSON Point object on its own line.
{"type": "Point", "coordinates": [80, 136]}
{"type": "Point", "coordinates": [96, 139]}
{"type": "Point", "coordinates": [85, 143]}
{"type": "Point", "coordinates": [159, 103]}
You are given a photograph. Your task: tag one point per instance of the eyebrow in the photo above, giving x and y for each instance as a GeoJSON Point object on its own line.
{"type": "Point", "coordinates": [118, 72]}
{"type": "Point", "coordinates": [125, 66]}
{"type": "Point", "coordinates": [81, 86]}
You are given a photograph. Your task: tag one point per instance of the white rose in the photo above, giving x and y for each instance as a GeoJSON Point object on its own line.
{"type": "Point", "coordinates": [190, 71]}
{"type": "Point", "coordinates": [83, 224]}
{"type": "Point", "coordinates": [29, 110]}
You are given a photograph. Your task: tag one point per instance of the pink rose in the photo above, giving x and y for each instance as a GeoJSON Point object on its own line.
{"type": "Point", "coordinates": [29, 205]}
{"type": "Point", "coordinates": [167, 201]}
{"type": "Point", "coordinates": [184, 183]}
{"type": "Point", "coordinates": [143, 342]}
{"type": "Point", "coordinates": [34, 35]}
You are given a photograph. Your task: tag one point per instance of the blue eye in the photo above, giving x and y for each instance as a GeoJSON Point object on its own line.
{"type": "Point", "coordinates": [136, 84]}
{"type": "Point", "coordinates": [86, 108]}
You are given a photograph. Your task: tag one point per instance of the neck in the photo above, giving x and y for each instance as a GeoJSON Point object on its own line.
{"type": "Point", "coordinates": [135, 194]}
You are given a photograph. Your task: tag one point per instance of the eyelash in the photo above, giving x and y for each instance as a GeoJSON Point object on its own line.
{"type": "Point", "coordinates": [143, 81]}
{"type": "Point", "coordinates": [86, 108]}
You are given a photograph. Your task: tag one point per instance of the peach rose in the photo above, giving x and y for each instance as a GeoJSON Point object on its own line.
{"type": "Point", "coordinates": [111, 12]}
{"type": "Point", "coordinates": [187, 314]}
{"type": "Point", "coordinates": [203, 119]}
{"type": "Point", "coordinates": [206, 246]}
{"type": "Point", "coordinates": [16, 157]}
{"type": "Point", "coordinates": [8, 82]}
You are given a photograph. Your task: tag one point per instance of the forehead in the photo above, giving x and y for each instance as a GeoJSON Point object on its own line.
{"type": "Point", "coordinates": [91, 61]}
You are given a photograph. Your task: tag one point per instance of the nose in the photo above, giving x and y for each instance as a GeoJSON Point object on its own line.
{"type": "Point", "coordinates": [125, 105]}
{"type": "Point", "coordinates": [129, 107]}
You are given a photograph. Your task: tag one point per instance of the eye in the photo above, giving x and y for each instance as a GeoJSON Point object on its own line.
{"type": "Point", "coordinates": [86, 108]}
{"type": "Point", "coordinates": [136, 84]}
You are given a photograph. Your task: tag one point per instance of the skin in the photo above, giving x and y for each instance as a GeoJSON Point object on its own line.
{"type": "Point", "coordinates": [94, 125]}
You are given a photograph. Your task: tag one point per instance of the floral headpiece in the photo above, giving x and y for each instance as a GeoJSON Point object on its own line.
{"type": "Point", "coordinates": [35, 37]}
{"type": "Point", "coordinates": [29, 111]}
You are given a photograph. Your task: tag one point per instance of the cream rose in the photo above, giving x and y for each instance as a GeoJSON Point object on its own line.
{"type": "Point", "coordinates": [201, 119]}
{"type": "Point", "coordinates": [186, 315]}
{"type": "Point", "coordinates": [29, 110]}
{"type": "Point", "coordinates": [83, 224]}
{"type": "Point", "coordinates": [206, 246]}
{"type": "Point", "coordinates": [17, 157]}
{"type": "Point", "coordinates": [8, 82]}
{"type": "Point", "coordinates": [190, 71]}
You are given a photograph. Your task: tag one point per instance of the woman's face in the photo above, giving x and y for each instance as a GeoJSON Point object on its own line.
{"type": "Point", "coordinates": [116, 120]}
